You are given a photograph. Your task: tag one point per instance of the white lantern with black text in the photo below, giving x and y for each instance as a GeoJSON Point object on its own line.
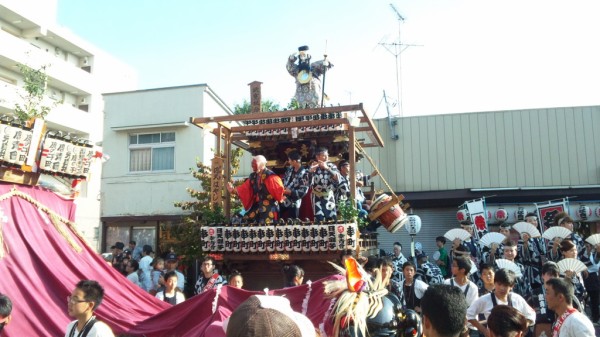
{"type": "Point", "coordinates": [584, 212]}
{"type": "Point", "coordinates": [413, 227]}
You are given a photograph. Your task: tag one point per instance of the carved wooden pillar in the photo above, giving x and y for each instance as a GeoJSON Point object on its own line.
{"type": "Point", "coordinates": [255, 96]}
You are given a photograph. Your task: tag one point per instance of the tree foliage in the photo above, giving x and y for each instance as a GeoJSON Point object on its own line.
{"type": "Point", "coordinates": [200, 213]}
{"type": "Point", "coordinates": [266, 106]}
{"type": "Point", "coordinates": [36, 83]}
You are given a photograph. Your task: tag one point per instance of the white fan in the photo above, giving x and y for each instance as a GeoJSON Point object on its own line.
{"type": "Point", "coordinates": [490, 238]}
{"type": "Point", "coordinates": [571, 264]}
{"type": "Point", "coordinates": [593, 239]}
{"type": "Point", "coordinates": [556, 232]}
{"type": "Point", "coordinates": [504, 263]}
{"type": "Point", "coordinates": [436, 255]}
{"type": "Point", "coordinates": [457, 233]}
{"type": "Point", "coordinates": [526, 227]}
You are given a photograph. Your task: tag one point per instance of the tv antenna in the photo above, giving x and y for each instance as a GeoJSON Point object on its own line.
{"type": "Point", "coordinates": [396, 48]}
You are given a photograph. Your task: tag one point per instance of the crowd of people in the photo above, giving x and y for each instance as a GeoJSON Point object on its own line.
{"type": "Point", "coordinates": [535, 286]}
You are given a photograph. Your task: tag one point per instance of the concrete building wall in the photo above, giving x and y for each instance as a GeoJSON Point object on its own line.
{"type": "Point", "coordinates": [78, 74]}
{"type": "Point", "coordinates": [127, 193]}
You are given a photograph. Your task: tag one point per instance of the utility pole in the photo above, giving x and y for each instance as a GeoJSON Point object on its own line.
{"type": "Point", "coordinates": [396, 49]}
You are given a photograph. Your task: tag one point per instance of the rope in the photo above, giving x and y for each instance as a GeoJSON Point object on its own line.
{"type": "Point", "coordinates": [361, 150]}
{"type": "Point", "coordinates": [55, 218]}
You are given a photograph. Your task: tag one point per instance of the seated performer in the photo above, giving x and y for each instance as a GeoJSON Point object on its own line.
{"type": "Point", "coordinates": [261, 193]}
{"type": "Point", "coordinates": [295, 182]}
{"type": "Point", "coordinates": [324, 181]}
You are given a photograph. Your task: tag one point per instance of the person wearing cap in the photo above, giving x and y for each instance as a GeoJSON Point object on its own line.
{"type": "Point", "coordinates": [172, 262]}
{"type": "Point", "coordinates": [267, 316]}
{"type": "Point", "coordinates": [5, 311]}
{"type": "Point", "coordinates": [296, 183]}
{"type": "Point", "coordinates": [308, 85]}
{"type": "Point", "coordinates": [261, 193]}
{"type": "Point", "coordinates": [325, 178]}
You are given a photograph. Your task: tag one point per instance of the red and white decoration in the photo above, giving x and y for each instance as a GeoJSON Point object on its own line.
{"type": "Point", "coordinates": [462, 215]}
{"type": "Point", "coordinates": [548, 211]}
{"type": "Point", "coordinates": [501, 215]}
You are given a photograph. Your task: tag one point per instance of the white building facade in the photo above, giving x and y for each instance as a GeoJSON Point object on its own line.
{"type": "Point", "coordinates": [78, 75]}
{"type": "Point", "coordinates": [153, 147]}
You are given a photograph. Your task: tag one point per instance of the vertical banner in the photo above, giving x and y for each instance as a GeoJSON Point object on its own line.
{"type": "Point", "coordinates": [216, 183]}
{"type": "Point", "coordinates": [548, 211]}
{"type": "Point", "coordinates": [478, 214]}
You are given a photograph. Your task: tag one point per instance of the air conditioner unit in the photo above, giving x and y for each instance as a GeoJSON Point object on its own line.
{"type": "Point", "coordinates": [84, 61]}
{"type": "Point", "coordinates": [57, 51]}
{"type": "Point", "coordinates": [83, 100]}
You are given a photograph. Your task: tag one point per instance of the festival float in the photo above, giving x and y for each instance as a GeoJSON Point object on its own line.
{"type": "Point", "coordinates": [345, 131]}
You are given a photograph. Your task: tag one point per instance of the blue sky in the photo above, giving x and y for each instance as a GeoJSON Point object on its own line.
{"type": "Point", "coordinates": [473, 55]}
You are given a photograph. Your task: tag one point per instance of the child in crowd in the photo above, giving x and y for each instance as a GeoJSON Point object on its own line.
{"type": "Point", "coordinates": [158, 267]}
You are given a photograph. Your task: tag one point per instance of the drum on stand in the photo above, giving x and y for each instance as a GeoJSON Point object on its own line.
{"type": "Point", "coordinates": [393, 218]}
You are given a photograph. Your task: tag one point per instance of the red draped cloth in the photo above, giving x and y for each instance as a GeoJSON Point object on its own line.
{"type": "Point", "coordinates": [195, 317]}
{"type": "Point", "coordinates": [44, 259]}
{"type": "Point", "coordinates": [40, 268]}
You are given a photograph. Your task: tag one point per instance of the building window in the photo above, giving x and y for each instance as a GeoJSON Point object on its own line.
{"type": "Point", "coordinates": [151, 152]}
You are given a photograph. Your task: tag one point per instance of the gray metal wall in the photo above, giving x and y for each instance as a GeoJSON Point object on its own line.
{"type": "Point", "coordinates": [520, 148]}
{"type": "Point", "coordinates": [434, 222]}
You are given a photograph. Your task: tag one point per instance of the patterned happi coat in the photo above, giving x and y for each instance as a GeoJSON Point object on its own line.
{"type": "Point", "coordinates": [323, 192]}
{"type": "Point", "coordinates": [298, 183]}
{"type": "Point", "coordinates": [531, 258]}
{"type": "Point", "coordinates": [575, 238]}
{"type": "Point", "coordinates": [260, 194]}
{"type": "Point", "coordinates": [308, 94]}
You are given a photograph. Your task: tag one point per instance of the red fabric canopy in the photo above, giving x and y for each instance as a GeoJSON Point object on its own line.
{"type": "Point", "coordinates": [195, 317]}
{"type": "Point", "coordinates": [44, 259]}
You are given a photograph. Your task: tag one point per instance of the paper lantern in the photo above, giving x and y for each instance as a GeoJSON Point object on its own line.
{"type": "Point", "coordinates": [584, 212]}
{"type": "Point", "coordinates": [520, 214]}
{"type": "Point", "coordinates": [501, 215]}
{"type": "Point", "coordinates": [414, 224]}
{"type": "Point", "coordinates": [462, 215]}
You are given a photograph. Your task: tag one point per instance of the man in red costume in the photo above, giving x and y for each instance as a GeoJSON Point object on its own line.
{"type": "Point", "coordinates": [261, 193]}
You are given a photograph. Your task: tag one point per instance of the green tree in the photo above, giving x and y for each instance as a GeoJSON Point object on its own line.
{"type": "Point", "coordinates": [266, 106]}
{"type": "Point", "coordinates": [36, 83]}
{"type": "Point", "coordinates": [187, 234]}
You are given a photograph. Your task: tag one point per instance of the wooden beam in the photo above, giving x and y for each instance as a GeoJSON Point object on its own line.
{"type": "Point", "coordinates": [277, 114]}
